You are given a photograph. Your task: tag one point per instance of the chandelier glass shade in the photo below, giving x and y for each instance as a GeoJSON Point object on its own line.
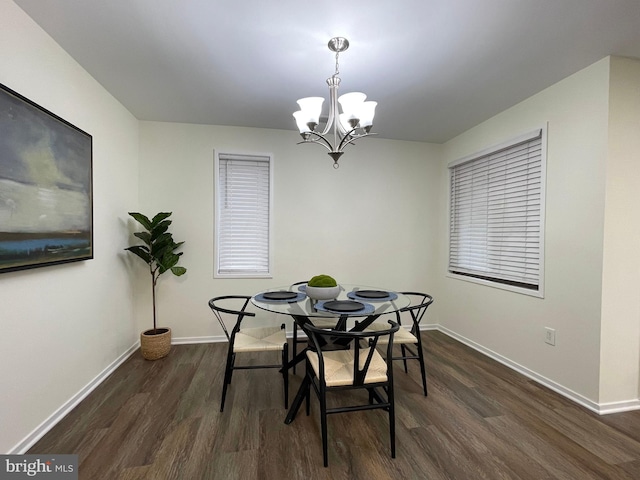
{"type": "Point", "coordinates": [341, 129]}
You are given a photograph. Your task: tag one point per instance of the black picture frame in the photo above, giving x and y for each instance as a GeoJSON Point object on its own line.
{"type": "Point", "coordinates": [46, 187]}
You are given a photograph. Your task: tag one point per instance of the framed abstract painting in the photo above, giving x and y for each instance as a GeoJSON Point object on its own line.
{"type": "Point", "coordinates": [46, 199]}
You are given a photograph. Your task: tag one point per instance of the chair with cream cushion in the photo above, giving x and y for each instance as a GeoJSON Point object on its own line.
{"type": "Point", "coordinates": [410, 341]}
{"type": "Point", "coordinates": [232, 308]}
{"type": "Point", "coordinates": [346, 361]}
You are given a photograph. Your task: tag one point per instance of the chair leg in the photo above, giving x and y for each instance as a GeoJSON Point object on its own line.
{"type": "Point", "coordinates": [308, 391]}
{"type": "Point", "coordinates": [233, 362]}
{"type": "Point", "coordinates": [295, 344]}
{"type": "Point", "coordinates": [227, 377]}
{"type": "Point", "coordinates": [404, 357]}
{"type": "Point", "coordinates": [285, 374]}
{"type": "Point", "coordinates": [224, 390]}
{"type": "Point", "coordinates": [423, 372]}
{"type": "Point", "coordinates": [392, 420]}
{"type": "Point", "coordinates": [323, 426]}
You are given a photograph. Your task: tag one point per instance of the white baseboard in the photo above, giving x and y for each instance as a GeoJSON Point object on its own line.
{"type": "Point", "coordinates": [601, 409]}
{"type": "Point", "coordinates": [618, 407]}
{"type": "Point", "coordinates": [55, 417]}
{"type": "Point", "coordinates": [65, 408]}
{"type": "Point", "coordinates": [193, 340]}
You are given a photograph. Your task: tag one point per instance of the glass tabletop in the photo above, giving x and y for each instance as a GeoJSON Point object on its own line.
{"type": "Point", "coordinates": [374, 303]}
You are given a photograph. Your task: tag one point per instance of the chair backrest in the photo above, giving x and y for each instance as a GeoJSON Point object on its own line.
{"type": "Point", "coordinates": [228, 304]}
{"type": "Point", "coordinates": [323, 338]}
{"type": "Point", "coordinates": [419, 304]}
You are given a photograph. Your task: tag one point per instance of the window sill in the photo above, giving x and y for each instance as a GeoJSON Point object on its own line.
{"type": "Point", "coordinates": [242, 275]}
{"type": "Point", "coordinates": [524, 291]}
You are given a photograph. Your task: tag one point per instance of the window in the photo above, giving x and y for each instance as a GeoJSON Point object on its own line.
{"type": "Point", "coordinates": [243, 215]}
{"type": "Point", "coordinates": [496, 215]}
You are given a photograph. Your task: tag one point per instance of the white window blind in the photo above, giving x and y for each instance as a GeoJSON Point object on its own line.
{"type": "Point", "coordinates": [243, 215]}
{"type": "Point", "coordinates": [496, 212]}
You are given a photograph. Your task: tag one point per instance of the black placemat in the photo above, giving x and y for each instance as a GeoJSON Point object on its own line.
{"type": "Point", "coordinates": [281, 295]}
{"type": "Point", "coordinates": [371, 293]}
{"type": "Point", "coordinates": [343, 306]}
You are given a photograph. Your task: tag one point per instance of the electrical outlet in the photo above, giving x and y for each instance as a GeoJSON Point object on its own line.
{"type": "Point", "coordinates": [550, 336]}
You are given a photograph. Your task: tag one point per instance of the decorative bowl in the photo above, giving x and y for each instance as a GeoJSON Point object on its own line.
{"type": "Point", "coordinates": [322, 293]}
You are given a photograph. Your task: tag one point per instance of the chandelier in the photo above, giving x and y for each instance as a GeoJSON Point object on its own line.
{"type": "Point", "coordinates": [344, 128]}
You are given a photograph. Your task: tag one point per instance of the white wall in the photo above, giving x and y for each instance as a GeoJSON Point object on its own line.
{"type": "Point", "coordinates": [63, 325]}
{"type": "Point", "coordinates": [372, 220]}
{"type": "Point", "coordinates": [512, 325]}
{"type": "Point", "coordinates": [620, 350]}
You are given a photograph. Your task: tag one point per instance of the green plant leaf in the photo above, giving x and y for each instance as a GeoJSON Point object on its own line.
{"type": "Point", "coordinates": [164, 243]}
{"type": "Point", "coordinates": [160, 229]}
{"type": "Point", "coordinates": [142, 252]}
{"type": "Point", "coordinates": [168, 261]}
{"type": "Point", "coordinates": [144, 236]}
{"type": "Point", "coordinates": [177, 271]}
{"type": "Point", "coordinates": [141, 219]}
{"type": "Point", "coordinates": [159, 218]}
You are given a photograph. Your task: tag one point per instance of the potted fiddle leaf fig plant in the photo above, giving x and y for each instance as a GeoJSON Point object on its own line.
{"type": "Point", "coordinates": [158, 251]}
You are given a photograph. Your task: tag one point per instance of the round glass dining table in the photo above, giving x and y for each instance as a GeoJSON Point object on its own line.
{"type": "Point", "coordinates": [373, 300]}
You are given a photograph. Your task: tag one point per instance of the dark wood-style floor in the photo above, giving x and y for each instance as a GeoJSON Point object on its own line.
{"type": "Point", "coordinates": [160, 420]}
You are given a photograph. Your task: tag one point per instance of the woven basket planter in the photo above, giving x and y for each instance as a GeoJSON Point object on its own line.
{"type": "Point", "coordinates": [155, 346]}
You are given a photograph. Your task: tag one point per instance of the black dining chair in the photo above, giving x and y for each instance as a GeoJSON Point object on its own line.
{"type": "Point", "coordinates": [243, 340]}
{"type": "Point", "coordinates": [410, 341]}
{"type": "Point", "coordinates": [317, 322]}
{"type": "Point", "coordinates": [356, 364]}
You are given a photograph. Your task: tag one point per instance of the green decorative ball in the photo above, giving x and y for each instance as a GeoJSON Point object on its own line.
{"type": "Point", "coordinates": [322, 281]}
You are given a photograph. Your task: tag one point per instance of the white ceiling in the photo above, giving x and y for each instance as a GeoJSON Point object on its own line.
{"type": "Point", "coordinates": [436, 67]}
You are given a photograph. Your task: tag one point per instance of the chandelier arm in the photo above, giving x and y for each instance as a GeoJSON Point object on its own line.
{"type": "Point", "coordinates": [336, 118]}
{"type": "Point", "coordinates": [333, 82]}
{"type": "Point", "coordinates": [314, 141]}
{"type": "Point", "coordinates": [346, 140]}
{"type": "Point", "coordinates": [325, 143]}
{"type": "Point", "coordinates": [339, 130]}
{"type": "Point", "coordinates": [329, 123]}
